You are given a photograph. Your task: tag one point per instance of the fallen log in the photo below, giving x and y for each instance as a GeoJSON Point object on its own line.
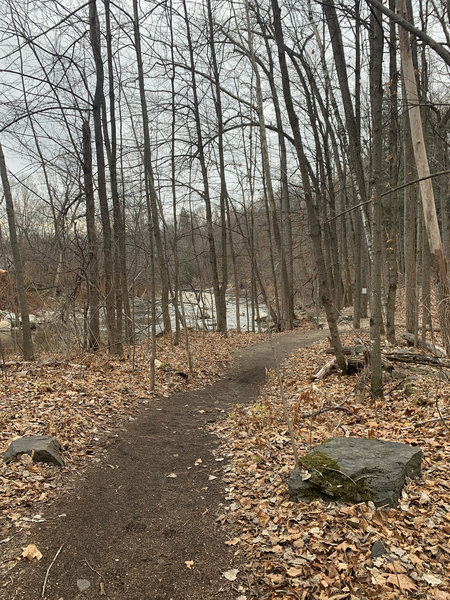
{"type": "Point", "coordinates": [354, 364]}
{"type": "Point", "coordinates": [433, 348]}
{"type": "Point", "coordinates": [326, 369]}
{"type": "Point", "coordinates": [419, 359]}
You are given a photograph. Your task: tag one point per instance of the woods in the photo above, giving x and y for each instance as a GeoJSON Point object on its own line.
{"type": "Point", "coordinates": [224, 299]}
{"type": "Point", "coordinates": [271, 154]}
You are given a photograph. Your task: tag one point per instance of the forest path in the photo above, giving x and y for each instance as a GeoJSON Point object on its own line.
{"type": "Point", "coordinates": [128, 527]}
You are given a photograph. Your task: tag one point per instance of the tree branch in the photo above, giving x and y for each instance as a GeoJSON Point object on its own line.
{"type": "Point", "coordinates": [436, 46]}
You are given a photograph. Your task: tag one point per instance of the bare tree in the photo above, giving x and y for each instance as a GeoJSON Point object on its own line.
{"type": "Point", "coordinates": [438, 259]}
{"type": "Point", "coordinates": [28, 350]}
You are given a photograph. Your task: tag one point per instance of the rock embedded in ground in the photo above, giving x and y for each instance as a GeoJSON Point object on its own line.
{"type": "Point", "coordinates": [83, 584]}
{"type": "Point", "coordinates": [378, 549]}
{"type": "Point", "coordinates": [355, 470]}
{"type": "Point", "coordinates": [42, 448]}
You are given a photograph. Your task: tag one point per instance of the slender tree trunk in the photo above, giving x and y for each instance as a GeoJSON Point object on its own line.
{"type": "Point", "coordinates": [153, 196]}
{"type": "Point", "coordinates": [357, 260]}
{"type": "Point", "coordinates": [221, 307]}
{"type": "Point", "coordinates": [285, 247]}
{"type": "Point", "coordinates": [204, 170]}
{"type": "Point", "coordinates": [426, 290]}
{"type": "Point", "coordinates": [391, 227]}
{"type": "Point", "coordinates": [376, 102]}
{"type": "Point", "coordinates": [28, 350]}
{"type": "Point", "coordinates": [234, 262]}
{"type": "Point", "coordinates": [312, 216]}
{"type": "Point", "coordinates": [93, 338]}
{"type": "Point", "coordinates": [437, 254]}
{"type": "Point", "coordinates": [177, 292]}
{"type": "Point", "coordinates": [354, 144]}
{"type": "Point", "coordinates": [120, 270]}
{"type": "Point", "coordinates": [97, 108]}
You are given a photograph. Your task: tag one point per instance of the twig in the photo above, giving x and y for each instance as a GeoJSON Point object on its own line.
{"type": "Point", "coordinates": [395, 571]}
{"type": "Point", "coordinates": [340, 473]}
{"type": "Point", "coordinates": [315, 413]}
{"type": "Point", "coordinates": [92, 569]}
{"type": "Point", "coordinates": [44, 585]}
{"type": "Point", "coordinates": [440, 418]}
{"type": "Point", "coordinates": [440, 415]}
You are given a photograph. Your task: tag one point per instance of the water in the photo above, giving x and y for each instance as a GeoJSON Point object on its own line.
{"type": "Point", "coordinates": [200, 312]}
{"type": "Point", "coordinates": [52, 335]}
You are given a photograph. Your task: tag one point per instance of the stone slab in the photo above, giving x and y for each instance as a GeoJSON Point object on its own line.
{"type": "Point", "coordinates": [355, 470]}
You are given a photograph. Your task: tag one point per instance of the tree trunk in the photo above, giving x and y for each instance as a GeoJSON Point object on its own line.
{"type": "Point", "coordinates": [376, 104]}
{"type": "Point", "coordinates": [93, 289]}
{"type": "Point", "coordinates": [221, 307]}
{"type": "Point", "coordinates": [311, 209]}
{"type": "Point", "coordinates": [98, 104]}
{"type": "Point", "coordinates": [153, 196]}
{"type": "Point", "coordinates": [120, 270]}
{"type": "Point", "coordinates": [204, 170]}
{"type": "Point", "coordinates": [28, 350]}
{"type": "Point", "coordinates": [437, 254]}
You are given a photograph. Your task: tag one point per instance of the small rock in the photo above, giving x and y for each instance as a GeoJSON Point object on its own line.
{"type": "Point", "coordinates": [378, 549]}
{"type": "Point", "coordinates": [83, 584]}
{"type": "Point", "coordinates": [41, 448]}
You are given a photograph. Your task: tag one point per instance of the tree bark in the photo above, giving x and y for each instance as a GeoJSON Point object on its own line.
{"type": "Point", "coordinates": [376, 104]}
{"type": "Point", "coordinates": [28, 350]}
{"type": "Point", "coordinates": [97, 109]}
{"type": "Point", "coordinates": [93, 289]}
{"type": "Point", "coordinates": [437, 254]}
{"type": "Point", "coordinates": [311, 209]}
{"type": "Point", "coordinates": [153, 196]}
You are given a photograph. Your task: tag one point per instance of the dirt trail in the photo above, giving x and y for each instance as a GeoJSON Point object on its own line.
{"type": "Point", "coordinates": [129, 528]}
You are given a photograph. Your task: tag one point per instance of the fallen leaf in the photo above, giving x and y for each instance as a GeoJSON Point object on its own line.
{"type": "Point", "coordinates": [231, 574]}
{"type": "Point", "coordinates": [172, 475]}
{"type": "Point", "coordinates": [294, 572]}
{"type": "Point", "coordinates": [31, 552]}
{"type": "Point", "coordinates": [431, 579]}
{"type": "Point", "coordinates": [189, 563]}
{"type": "Point", "coordinates": [403, 582]}
{"type": "Point", "coordinates": [233, 542]}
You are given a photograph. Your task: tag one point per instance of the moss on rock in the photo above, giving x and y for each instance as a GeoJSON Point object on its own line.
{"type": "Point", "coordinates": [327, 479]}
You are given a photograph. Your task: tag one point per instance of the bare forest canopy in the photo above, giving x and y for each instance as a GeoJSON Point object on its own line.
{"type": "Point", "coordinates": [290, 154]}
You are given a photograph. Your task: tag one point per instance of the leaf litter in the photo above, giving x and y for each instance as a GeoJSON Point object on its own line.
{"type": "Point", "coordinates": [323, 550]}
{"type": "Point", "coordinates": [285, 550]}
{"type": "Point", "coordinates": [85, 402]}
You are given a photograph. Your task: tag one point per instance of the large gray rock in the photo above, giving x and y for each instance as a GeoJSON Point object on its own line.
{"type": "Point", "coordinates": [355, 470]}
{"type": "Point", "coordinates": [42, 448]}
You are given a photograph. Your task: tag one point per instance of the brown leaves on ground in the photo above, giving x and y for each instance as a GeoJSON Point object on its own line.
{"type": "Point", "coordinates": [31, 552]}
{"type": "Point", "coordinates": [82, 402]}
{"type": "Point", "coordinates": [321, 550]}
